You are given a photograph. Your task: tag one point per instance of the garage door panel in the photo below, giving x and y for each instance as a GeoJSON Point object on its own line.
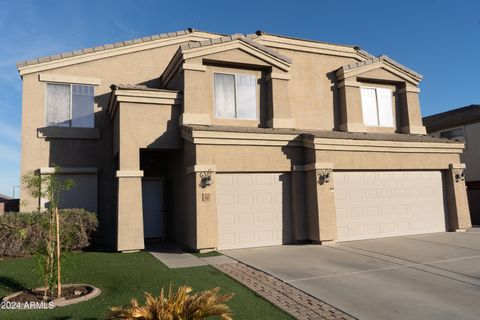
{"type": "Point", "coordinates": [388, 203]}
{"type": "Point", "coordinates": [252, 210]}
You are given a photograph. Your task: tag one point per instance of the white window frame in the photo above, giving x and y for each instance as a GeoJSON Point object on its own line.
{"type": "Point", "coordinates": [235, 98]}
{"type": "Point", "coordinates": [45, 109]}
{"type": "Point", "coordinates": [379, 125]}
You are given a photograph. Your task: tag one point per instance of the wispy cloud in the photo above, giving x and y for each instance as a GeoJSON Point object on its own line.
{"type": "Point", "coordinates": [10, 132]}
{"type": "Point", "coordinates": [9, 153]}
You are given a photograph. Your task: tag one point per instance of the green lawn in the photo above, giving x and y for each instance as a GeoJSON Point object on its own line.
{"type": "Point", "coordinates": [122, 276]}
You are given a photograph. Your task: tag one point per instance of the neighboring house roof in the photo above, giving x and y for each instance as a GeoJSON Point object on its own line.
{"type": "Point", "coordinates": [233, 37]}
{"type": "Point", "coordinates": [324, 133]}
{"type": "Point", "coordinates": [452, 118]}
{"type": "Point", "coordinates": [4, 197]}
{"type": "Point", "coordinates": [105, 47]}
{"type": "Point", "coordinates": [381, 58]}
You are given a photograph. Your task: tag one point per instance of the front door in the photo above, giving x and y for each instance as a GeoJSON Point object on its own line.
{"type": "Point", "coordinates": [153, 208]}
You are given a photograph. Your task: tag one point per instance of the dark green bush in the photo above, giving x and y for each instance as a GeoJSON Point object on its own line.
{"type": "Point", "coordinates": [23, 234]}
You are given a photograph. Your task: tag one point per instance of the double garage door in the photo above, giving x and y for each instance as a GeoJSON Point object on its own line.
{"type": "Point", "coordinates": [253, 209]}
{"type": "Point", "coordinates": [388, 203]}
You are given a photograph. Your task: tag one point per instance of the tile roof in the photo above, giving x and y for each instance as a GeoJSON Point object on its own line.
{"type": "Point", "coordinates": [105, 47]}
{"type": "Point", "coordinates": [325, 133]}
{"type": "Point", "coordinates": [222, 37]}
{"type": "Point", "coordinates": [260, 33]}
{"type": "Point", "coordinates": [137, 87]}
{"type": "Point", "coordinates": [452, 118]}
{"type": "Point", "coordinates": [4, 197]}
{"type": "Point", "coordinates": [238, 36]}
{"type": "Point", "coordinates": [378, 59]}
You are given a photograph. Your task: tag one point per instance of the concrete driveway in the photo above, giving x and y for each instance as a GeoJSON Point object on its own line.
{"type": "Point", "coordinates": [434, 276]}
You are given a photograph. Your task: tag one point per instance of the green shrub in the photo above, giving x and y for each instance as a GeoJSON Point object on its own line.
{"type": "Point", "coordinates": [23, 234]}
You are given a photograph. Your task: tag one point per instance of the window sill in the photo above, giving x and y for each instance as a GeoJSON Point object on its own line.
{"type": "Point", "coordinates": [68, 133]}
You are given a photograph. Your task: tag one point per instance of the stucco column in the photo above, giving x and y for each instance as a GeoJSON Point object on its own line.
{"type": "Point", "coordinates": [130, 211]}
{"type": "Point", "coordinates": [193, 113]}
{"type": "Point", "coordinates": [411, 115]}
{"type": "Point", "coordinates": [206, 207]}
{"type": "Point", "coordinates": [351, 116]}
{"type": "Point", "coordinates": [458, 211]}
{"type": "Point", "coordinates": [321, 203]}
{"type": "Point", "coordinates": [279, 101]}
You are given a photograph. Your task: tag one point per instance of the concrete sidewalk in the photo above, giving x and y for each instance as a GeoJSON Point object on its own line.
{"type": "Point", "coordinates": [173, 256]}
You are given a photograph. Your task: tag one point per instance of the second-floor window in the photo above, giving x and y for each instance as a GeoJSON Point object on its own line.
{"type": "Point", "coordinates": [235, 96]}
{"type": "Point", "coordinates": [69, 105]}
{"type": "Point", "coordinates": [377, 107]}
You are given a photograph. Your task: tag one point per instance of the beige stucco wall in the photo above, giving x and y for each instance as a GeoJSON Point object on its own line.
{"type": "Point", "coordinates": [133, 68]}
{"type": "Point", "coordinates": [313, 204]}
{"type": "Point", "coordinates": [307, 95]}
{"type": "Point", "coordinates": [386, 160]}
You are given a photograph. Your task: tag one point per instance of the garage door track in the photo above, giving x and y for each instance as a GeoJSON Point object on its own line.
{"type": "Point", "coordinates": [434, 276]}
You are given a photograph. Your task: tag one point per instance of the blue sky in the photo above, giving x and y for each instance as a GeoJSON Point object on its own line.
{"type": "Point", "coordinates": [439, 39]}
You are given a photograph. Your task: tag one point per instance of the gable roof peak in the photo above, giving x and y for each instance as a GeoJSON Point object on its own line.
{"type": "Point", "coordinates": [381, 58]}
{"type": "Point", "coordinates": [248, 39]}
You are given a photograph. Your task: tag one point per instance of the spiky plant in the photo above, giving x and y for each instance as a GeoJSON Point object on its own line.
{"type": "Point", "coordinates": [179, 305]}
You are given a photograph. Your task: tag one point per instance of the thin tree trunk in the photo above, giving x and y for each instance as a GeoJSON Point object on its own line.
{"type": "Point", "coordinates": [59, 278]}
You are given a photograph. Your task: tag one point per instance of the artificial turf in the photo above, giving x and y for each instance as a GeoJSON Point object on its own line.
{"type": "Point", "coordinates": [121, 277]}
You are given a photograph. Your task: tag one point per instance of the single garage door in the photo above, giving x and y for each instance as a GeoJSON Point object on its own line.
{"type": "Point", "coordinates": [376, 204]}
{"type": "Point", "coordinates": [253, 209]}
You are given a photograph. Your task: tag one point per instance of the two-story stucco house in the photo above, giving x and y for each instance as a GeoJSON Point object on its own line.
{"type": "Point", "coordinates": [239, 141]}
{"type": "Point", "coordinates": [463, 124]}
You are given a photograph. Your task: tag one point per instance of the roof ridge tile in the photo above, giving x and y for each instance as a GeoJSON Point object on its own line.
{"type": "Point", "coordinates": [103, 47]}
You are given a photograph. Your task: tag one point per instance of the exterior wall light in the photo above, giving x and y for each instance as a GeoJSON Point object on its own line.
{"type": "Point", "coordinates": [206, 178]}
{"type": "Point", "coordinates": [459, 174]}
{"type": "Point", "coordinates": [324, 175]}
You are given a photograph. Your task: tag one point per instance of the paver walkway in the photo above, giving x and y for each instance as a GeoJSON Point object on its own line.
{"type": "Point", "coordinates": [288, 298]}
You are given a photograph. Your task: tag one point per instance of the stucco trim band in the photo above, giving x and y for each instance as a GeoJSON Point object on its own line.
{"type": "Point", "coordinates": [68, 133]}
{"type": "Point", "coordinates": [69, 170]}
{"type": "Point", "coordinates": [168, 98]}
{"type": "Point", "coordinates": [129, 174]}
{"type": "Point", "coordinates": [348, 83]}
{"type": "Point", "coordinates": [68, 79]}
{"type": "Point", "coordinates": [277, 75]}
{"type": "Point", "coordinates": [313, 166]}
{"type": "Point", "coordinates": [194, 67]}
{"type": "Point", "coordinates": [457, 166]}
{"type": "Point", "coordinates": [409, 89]}
{"type": "Point", "coordinates": [383, 146]}
{"type": "Point", "coordinates": [201, 168]}
{"type": "Point", "coordinates": [236, 138]}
